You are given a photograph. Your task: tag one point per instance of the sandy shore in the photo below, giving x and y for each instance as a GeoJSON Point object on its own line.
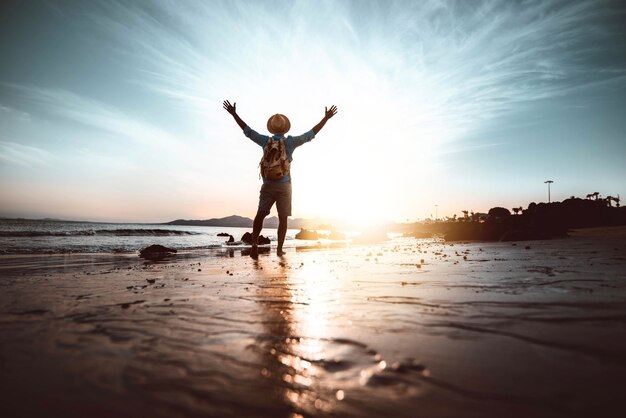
{"type": "Point", "coordinates": [527, 329]}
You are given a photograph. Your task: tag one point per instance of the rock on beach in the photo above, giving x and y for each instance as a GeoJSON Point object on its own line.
{"type": "Point", "coordinates": [156, 252]}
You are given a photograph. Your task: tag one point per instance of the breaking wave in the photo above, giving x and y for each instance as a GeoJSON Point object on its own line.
{"type": "Point", "coordinates": [125, 232]}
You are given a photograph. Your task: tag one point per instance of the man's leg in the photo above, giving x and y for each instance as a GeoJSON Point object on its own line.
{"type": "Point", "coordinates": [283, 204]}
{"type": "Point", "coordinates": [282, 231]}
{"type": "Point", "coordinates": [266, 201]}
{"type": "Point", "coordinates": [256, 230]}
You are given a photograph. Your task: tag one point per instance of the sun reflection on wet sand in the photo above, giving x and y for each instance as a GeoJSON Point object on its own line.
{"type": "Point", "coordinates": [314, 371]}
{"type": "Point", "coordinates": [296, 331]}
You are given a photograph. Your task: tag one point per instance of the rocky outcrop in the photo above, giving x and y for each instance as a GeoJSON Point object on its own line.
{"type": "Point", "coordinates": [156, 252]}
{"type": "Point", "coordinates": [247, 239]}
{"type": "Point", "coordinates": [306, 234]}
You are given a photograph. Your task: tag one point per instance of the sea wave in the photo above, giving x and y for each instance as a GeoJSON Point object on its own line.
{"type": "Point", "coordinates": [103, 249]}
{"type": "Point", "coordinates": [124, 232]}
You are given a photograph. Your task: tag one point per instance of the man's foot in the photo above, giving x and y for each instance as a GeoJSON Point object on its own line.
{"type": "Point", "coordinates": [280, 252]}
{"type": "Point", "coordinates": [254, 252]}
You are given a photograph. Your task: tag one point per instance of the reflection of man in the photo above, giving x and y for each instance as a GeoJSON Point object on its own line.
{"type": "Point", "coordinates": [276, 190]}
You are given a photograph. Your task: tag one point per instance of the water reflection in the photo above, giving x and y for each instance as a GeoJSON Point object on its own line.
{"type": "Point", "coordinates": [310, 371]}
{"type": "Point", "coordinates": [260, 250]}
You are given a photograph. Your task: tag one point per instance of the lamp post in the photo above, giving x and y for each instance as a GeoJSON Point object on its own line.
{"type": "Point", "coordinates": [549, 182]}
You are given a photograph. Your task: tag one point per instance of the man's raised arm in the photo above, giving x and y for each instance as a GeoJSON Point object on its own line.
{"type": "Point", "coordinates": [232, 109]}
{"type": "Point", "coordinates": [328, 113]}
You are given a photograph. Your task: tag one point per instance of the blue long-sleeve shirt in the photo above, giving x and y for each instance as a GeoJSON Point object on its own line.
{"type": "Point", "coordinates": [291, 143]}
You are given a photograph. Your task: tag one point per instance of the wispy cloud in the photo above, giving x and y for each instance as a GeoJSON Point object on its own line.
{"type": "Point", "coordinates": [25, 155]}
{"type": "Point", "coordinates": [21, 116]}
{"type": "Point", "coordinates": [98, 115]}
{"type": "Point", "coordinates": [445, 66]}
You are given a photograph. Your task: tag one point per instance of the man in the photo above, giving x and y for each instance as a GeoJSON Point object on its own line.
{"type": "Point", "coordinates": [276, 190]}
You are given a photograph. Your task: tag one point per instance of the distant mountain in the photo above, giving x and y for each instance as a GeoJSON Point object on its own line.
{"type": "Point", "coordinates": [229, 221]}
{"type": "Point", "coordinates": [243, 222]}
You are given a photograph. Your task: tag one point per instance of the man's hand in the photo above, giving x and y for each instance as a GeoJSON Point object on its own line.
{"type": "Point", "coordinates": [329, 113]}
{"type": "Point", "coordinates": [232, 109]}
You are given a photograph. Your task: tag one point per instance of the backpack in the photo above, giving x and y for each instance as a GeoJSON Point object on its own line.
{"type": "Point", "coordinates": [274, 164]}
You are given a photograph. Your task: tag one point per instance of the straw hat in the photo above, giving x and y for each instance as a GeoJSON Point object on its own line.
{"type": "Point", "coordinates": [278, 124]}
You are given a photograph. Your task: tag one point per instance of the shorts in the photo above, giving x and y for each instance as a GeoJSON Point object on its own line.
{"type": "Point", "coordinates": [275, 192]}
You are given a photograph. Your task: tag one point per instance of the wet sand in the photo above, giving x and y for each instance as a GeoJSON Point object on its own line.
{"type": "Point", "coordinates": [406, 328]}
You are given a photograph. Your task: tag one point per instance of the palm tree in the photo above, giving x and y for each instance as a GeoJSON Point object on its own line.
{"type": "Point", "coordinates": [465, 214]}
{"type": "Point", "coordinates": [609, 201]}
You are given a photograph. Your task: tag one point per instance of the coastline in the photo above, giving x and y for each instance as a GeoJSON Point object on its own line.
{"type": "Point", "coordinates": [531, 328]}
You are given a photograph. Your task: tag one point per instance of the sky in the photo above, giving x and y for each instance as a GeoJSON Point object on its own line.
{"type": "Point", "coordinates": [112, 111]}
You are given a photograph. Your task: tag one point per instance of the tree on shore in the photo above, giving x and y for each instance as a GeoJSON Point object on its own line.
{"type": "Point", "coordinates": [498, 213]}
{"type": "Point", "coordinates": [610, 199]}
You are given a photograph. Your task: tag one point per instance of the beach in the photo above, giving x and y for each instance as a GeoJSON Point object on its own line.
{"type": "Point", "coordinates": [404, 328]}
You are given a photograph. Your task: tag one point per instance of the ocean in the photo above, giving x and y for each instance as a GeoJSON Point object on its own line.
{"type": "Point", "coordinates": [21, 236]}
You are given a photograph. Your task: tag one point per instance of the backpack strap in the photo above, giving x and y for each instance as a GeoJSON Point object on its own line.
{"type": "Point", "coordinates": [266, 148]}
{"type": "Point", "coordinates": [283, 154]}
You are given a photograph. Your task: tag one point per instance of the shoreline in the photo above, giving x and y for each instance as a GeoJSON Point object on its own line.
{"type": "Point", "coordinates": [598, 232]}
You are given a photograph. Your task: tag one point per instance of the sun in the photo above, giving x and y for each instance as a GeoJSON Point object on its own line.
{"type": "Point", "coordinates": [370, 160]}
{"type": "Point", "coordinates": [358, 188]}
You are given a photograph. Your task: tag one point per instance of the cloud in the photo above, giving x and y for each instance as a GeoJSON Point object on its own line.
{"type": "Point", "coordinates": [444, 66]}
{"type": "Point", "coordinates": [25, 155]}
{"type": "Point", "coordinates": [23, 117]}
{"type": "Point", "coordinates": [95, 114]}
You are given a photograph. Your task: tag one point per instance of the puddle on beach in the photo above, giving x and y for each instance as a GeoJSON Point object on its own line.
{"type": "Point", "coordinates": [386, 330]}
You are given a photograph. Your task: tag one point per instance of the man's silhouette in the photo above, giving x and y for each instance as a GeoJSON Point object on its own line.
{"type": "Point", "coordinates": [278, 190]}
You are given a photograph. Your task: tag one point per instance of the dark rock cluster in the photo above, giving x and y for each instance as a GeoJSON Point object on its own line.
{"type": "Point", "coordinates": [156, 252]}
{"type": "Point", "coordinates": [307, 234]}
{"type": "Point", "coordinates": [247, 239]}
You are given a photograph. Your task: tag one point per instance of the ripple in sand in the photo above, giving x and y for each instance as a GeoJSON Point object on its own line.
{"type": "Point", "coordinates": [318, 372]}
